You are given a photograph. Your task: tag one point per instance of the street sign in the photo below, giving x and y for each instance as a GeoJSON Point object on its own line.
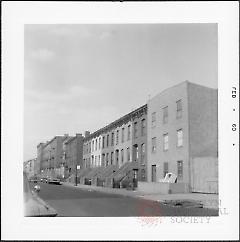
{"type": "Point", "coordinates": [78, 167]}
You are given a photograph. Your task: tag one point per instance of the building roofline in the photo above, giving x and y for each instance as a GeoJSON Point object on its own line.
{"type": "Point", "coordinates": [110, 126]}
{"type": "Point", "coordinates": [181, 83]}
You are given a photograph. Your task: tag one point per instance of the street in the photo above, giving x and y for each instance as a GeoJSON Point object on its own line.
{"type": "Point", "coordinates": [75, 202]}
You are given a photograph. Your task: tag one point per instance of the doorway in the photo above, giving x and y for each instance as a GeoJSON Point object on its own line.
{"type": "Point", "coordinates": [153, 173]}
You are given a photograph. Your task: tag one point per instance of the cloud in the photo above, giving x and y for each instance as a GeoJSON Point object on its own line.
{"type": "Point", "coordinates": [42, 54]}
{"type": "Point", "coordinates": [71, 96]}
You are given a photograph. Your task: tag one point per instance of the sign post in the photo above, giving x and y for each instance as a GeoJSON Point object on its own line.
{"type": "Point", "coordinates": [77, 168]}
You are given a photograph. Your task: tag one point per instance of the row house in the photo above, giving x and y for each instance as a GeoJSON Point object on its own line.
{"type": "Point", "coordinates": [50, 156]}
{"type": "Point", "coordinates": [175, 132]}
{"type": "Point", "coordinates": [124, 140]}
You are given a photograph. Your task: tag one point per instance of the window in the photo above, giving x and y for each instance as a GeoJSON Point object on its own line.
{"type": "Point", "coordinates": [103, 141]}
{"type": "Point", "coordinates": [165, 169]}
{"type": "Point", "coordinates": [129, 132]}
{"type": "Point", "coordinates": [143, 174]}
{"type": "Point", "coordinates": [99, 160]}
{"type": "Point", "coordinates": [153, 119]}
{"type": "Point", "coordinates": [180, 170]}
{"type": "Point", "coordinates": [95, 161]}
{"type": "Point", "coordinates": [179, 138]}
{"type": "Point", "coordinates": [112, 139]}
{"type": "Point", "coordinates": [154, 144]}
{"type": "Point", "coordinates": [136, 149]}
{"type": "Point", "coordinates": [107, 159]}
{"type": "Point", "coordinates": [179, 108]}
{"type": "Point", "coordinates": [135, 130]}
{"type": "Point", "coordinates": [117, 156]}
{"type": "Point", "coordinates": [89, 147]}
{"type": "Point", "coordinates": [111, 158]}
{"type": "Point", "coordinates": [122, 156]}
{"type": "Point", "coordinates": [165, 142]}
{"type": "Point", "coordinates": [107, 140]}
{"type": "Point", "coordinates": [128, 154]}
{"type": "Point", "coordinates": [99, 142]}
{"type": "Point", "coordinates": [122, 135]}
{"type": "Point", "coordinates": [103, 160]}
{"type": "Point", "coordinates": [143, 152]}
{"type": "Point", "coordinates": [117, 137]}
{"type": "Point", "coordinates": [93, 145]}
{"type": "Point", "coordinates": [96, 144]}
{"type": "Point", "coordinates": [143, 127]}
{"type": "Point", "coordinates": [165, 115]}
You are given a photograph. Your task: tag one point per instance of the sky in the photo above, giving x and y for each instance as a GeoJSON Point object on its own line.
{"type": "Point", "coordinates": [82, 77]}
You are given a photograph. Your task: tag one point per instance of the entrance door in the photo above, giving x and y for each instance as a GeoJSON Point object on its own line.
{"type": "Point", "coordinates": [153, 173]}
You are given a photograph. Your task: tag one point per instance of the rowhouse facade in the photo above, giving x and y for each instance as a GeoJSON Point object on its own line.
{"type": "Point", "coordinates": [124, 140]}
{"type": "Point", "coordinates": [182, 125]}
{"type": "Point", "coordinates": [50, 156]}
{"type": "Point", "coordinates": [175, 132]}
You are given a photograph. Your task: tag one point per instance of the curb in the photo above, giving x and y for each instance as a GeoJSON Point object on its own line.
{"type": "Point", "coordinates": [134, 195]}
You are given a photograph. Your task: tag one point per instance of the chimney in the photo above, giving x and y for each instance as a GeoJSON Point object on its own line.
{"type": "Point", "coordinates": [87, 133]}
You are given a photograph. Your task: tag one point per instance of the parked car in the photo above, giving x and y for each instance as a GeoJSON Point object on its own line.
{"type": "Point", "coordinates": [44, 179]}
{"type": "Point", "coordinates": [54, 181]}
{"type": "Point", "coordinates": [34, 206]}
{"type": "Point", "coordinates": [33, 179]}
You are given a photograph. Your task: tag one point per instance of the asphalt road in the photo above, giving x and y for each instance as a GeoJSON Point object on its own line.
{"type": "Point", "coordinates": [76, 202]}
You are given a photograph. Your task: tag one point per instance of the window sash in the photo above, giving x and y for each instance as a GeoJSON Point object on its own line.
{"type": "Point", "coordinates": [179, 137]}
{"type": "Point", "coordinates": [180, 169]}
{"type": "Point", "coordinates": [165, 142]}
{"type": "Point", "coordinates": [154, 144]}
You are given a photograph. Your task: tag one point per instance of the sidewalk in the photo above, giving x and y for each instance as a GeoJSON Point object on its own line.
{"type": "Point", "coordinates": [208, 200]}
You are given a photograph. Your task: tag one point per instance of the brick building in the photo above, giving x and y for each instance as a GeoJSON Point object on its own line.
{"type": "Point", "coordinates": [182, 126]}
{"type": "Point", "coordinates": [123, 140]}
{"type": "Point", "coordinates": [50, 156]}
{"type": "Point", "coordinates": [72, 155]}
{"type": "Point", "coordinates": [176, 131]}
